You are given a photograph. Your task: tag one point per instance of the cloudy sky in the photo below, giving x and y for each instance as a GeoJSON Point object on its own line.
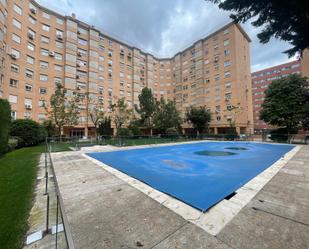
{"type": "Point", "coordinates": [164, 27]}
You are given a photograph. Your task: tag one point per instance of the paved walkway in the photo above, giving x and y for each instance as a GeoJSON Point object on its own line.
{"type": "Point", "coordinates": [105, 212]}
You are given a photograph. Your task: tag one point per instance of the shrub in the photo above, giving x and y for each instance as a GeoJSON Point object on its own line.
{"type": "Point", "coordinates": [125, 132]}
{"type": "Point", "coordinates": [5, 121]}
{"type": "Point", "coordinates": [28, 131]}
{"type": "Point", "coordinates": [281, 134]}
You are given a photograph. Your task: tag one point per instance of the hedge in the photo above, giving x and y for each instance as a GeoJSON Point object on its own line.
{"type": "Point", "coordinates": [28, 132]}
{"type": "Point", "coordinates": [5, 121]}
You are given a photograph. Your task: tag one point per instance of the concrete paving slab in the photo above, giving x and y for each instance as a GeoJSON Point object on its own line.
{"type": "Point", "coordinates": [252, 229]}
{"type": "Point", "coordinates": [106, 212]}
{"type": "Point", "coordinates": [190, 237]}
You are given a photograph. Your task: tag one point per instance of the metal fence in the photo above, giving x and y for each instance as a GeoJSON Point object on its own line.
{"type": "Point", "coordinates": [75, 143]}
{"type": "Point", "coordinates": [56, 221]}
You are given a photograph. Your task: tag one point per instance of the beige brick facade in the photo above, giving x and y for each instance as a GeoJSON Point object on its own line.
{"type": "Point", "coordinates": [41, 48]}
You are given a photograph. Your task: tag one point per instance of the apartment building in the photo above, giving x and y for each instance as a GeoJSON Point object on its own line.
{"type": "Point", "coordinates": [41, 48]}
{"type": "Point", "coordinates": [261, 80]}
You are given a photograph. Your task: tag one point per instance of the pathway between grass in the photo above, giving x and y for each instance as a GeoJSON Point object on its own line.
{"type": "Point", "coordinates": [17, 179]}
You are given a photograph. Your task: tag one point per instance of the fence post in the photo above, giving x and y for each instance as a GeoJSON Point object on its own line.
{"type": "Point", "coordinates": [47, 215]}
{"type": "Point", "coordinates": [57, 222]}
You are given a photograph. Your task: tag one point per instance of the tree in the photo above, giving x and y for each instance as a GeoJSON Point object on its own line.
{"type": "Point", "coordinates": [5, 121]}
{"type": "Point", "coordinates": [286, 20]}
{"type": "Point", "coordinates": [285, 103]}
{"type": "Point", "coordinates": [147, 108]}
{"type": "Point", "coordinates": [166, 116]}
{"type": "Point", "coordinates": [96, 113]}
{"type": "Point", "coordinates": [233, 112]}
{"type": "Point", "coordinates": [105, 127]}
{"type": "Point", "coordinates": [120, 113]}
{"type": "Point", "coordinates": [62, 110]}
{"type": "Point", "coordinates": [199, 117]}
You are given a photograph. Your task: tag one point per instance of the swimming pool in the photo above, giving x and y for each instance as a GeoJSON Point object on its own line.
{"type": "Point", "coordinates": [199, 174]}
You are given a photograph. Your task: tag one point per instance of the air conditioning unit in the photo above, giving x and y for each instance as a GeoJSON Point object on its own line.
{"type": "Point", "coordinates": [78, 64]}
{"type": "Point", "coordinates": [28, 107]}
{"type": "Point", "coordinates": [78, 88]}
{"type": "Point", "coordinates": [101, 92]}
{"type": "Point", "coordinates": [59, 37]}
{"type": "Point", "coordinates": [13, 56]}
{"type": "Point", "coordinates": [52, 54]}
{"type": "Point", "coordinates": [33, 11]}
{"type": "Point", "coordinates": [77, 76]}
{"type": "Point", "coordinates": [79, 54]}
{"type": "Point", "coordinates": [78, 32]}
{"type": "Point", "coordinates": [30, 36]}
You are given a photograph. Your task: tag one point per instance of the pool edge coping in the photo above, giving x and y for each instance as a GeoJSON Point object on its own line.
{"type": "Point", "coordinates": [217, 217]}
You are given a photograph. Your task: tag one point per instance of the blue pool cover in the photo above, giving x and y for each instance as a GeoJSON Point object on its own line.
{"type": "Point", "coordinates": [198, 174]}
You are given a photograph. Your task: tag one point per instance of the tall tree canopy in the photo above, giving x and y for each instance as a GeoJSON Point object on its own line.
{"type": "Point", "coordinates": [286, 102]}
{"type": "Point", "coordinates": [147, 108]}
{"type": "Point", "coordinates": [286, 20]}
{"type": "Point", "coordinates": [166, 116]}
{"type": "Point", "coordinates": [63, 110]}
{"type": "Point", "coordinates": [121, 114]}
{"type": "Point", "coordinates": [199, 117]}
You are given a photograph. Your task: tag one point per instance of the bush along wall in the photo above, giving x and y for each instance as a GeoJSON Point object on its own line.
{"type": "Point", "coordinates": [5, 121]}
{"type": "Point", "coordinates": [28, 132]}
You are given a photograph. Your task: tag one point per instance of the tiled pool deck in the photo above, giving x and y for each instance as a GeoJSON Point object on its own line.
{"type": "Point", "coordinates": [108, 210]}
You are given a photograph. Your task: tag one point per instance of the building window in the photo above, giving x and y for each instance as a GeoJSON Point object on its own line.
{"type": "Point", "coordinates": [226, 52]}
{"type": "Point", "coordinates": [43, 77]}
{"type": "Point", "coordinates": [59, 21]}
{"type": "Point", "coordinates": [28, 88]}
{"type": "Point", "coordinates": [43, 64]}
{"type": "Point", "coordinates": [32, 20]}
{"type": "Point", "coordinates": [17, 9]}
{"type": "Point", "coordinates": [45, 27]}
{"type": "Point", "coordinates": [59, 44]}
{"type": "Point", "coordinates": [45, 15]}
{"type": "Point", "coordinates": [16, 23]}
{"type": "Point", "coordinates": [13, 115]}
{"type": "Point", "coordinates": [58, 56]}
{"type": "Point", "coordinates": [14, 68]}
{"type": "Point", "coordinates": [16, 38]}
{"type": "Point", "coordinates": [44, 52]}
{"type": "Point", "coordinates": [27, 115]}
{"type": "Point", "coordinates": [82, 42]}
{"type": "Point", "coordinates": [44, 39]}
{"type": "Point", "coordinates": [58, 68]}
{"type": "Point", "coordinates": [13, 99]}
{"type": "Point", "coordinates": [31, 46]}
{"type": "Point", "coordinates": [227, 63]}
{"type": "Point", "coordinates": [43, 90]}
{"type": "Point", "coordinates": [16, 53]}
{"type": "Point", "coordinates": [110, 53]}
{"type": "Point", "coordinates": [227, 74]}
{"type": "Point", "coordinates": [226, 31]}
{"type": "Point", "coordinates": [226, 42]}
{"type": "Point", "coordinates": [217, 77]}
{"type": "Point", "coordinates": [13, 83]}
{"type": "Point", "coordinates": [29, 73]}
{"type": "Point", "coordinates": [30, 60]}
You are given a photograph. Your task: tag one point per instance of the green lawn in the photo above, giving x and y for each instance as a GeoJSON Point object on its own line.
{"type": "Point", "coordinates": [17, 178]}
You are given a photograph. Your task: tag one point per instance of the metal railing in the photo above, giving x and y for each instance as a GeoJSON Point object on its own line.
{"type": "Point", "coordinates": [56, 220]}
{"type": "Point", "coordinates": [74, 143]}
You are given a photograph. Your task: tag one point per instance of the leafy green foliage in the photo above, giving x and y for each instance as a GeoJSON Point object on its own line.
{"type": "Point", "coordinates": [50, 127]}
{"type": "Point", "coordinates": [125, 132]}
{"type": "Point", "coordinates": [63, 110]}
{"type": "Point", "coordinates": [147, 107]}
{"type": "Point", "coordinates": [96, 113]}
{"type": "Point", "coordinates": [28, 131]}
{"type": "Point", "coordinates": [286, 103]}
{"type": "Point", "coordinates": [5, 121]}
{"type": "Point", "coordinates": [121, 114]}
{"type": "Point", "coordinates": [166, 116]}
{"type": "Point", "coordinates": [105, 127]}
{"type": "Point", "coordinates": [286, 20]}
{"type": "Point", "coordinates": [199, 117]}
